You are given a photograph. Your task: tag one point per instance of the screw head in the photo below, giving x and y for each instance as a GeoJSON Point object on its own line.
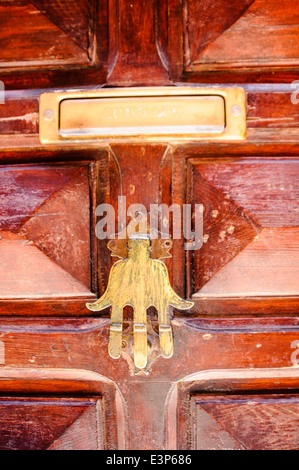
{"type": "Point", "coordinates": [236, 110]}
{"type": "Point", "coordinates": [48, 115]}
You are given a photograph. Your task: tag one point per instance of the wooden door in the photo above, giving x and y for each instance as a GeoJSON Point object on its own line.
{"type": "Point", "coordinates": [232, 382]}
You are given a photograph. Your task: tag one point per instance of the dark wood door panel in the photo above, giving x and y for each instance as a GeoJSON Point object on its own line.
{"type": "Point", "coordinates": [49, 261]}
{"type": "Point", "coordinates": [245, 422]}
{"type": "Point", "coordinates": [45, 232]}
{"type": "Point", "coordinates": [69, 358]}
{"type": "Point", "coordinates": [239, 24]}
{"type": "Point", "coordinates": [50, 423]}
{"type": "Point", "coordinates": [43, 34]}
{"type": "Point", "coordinates": [207, 36]}
{"type": "Point", "coordinates": [48, 199]}
{"type": "Point", "coordinates": [250, 229]}
{"type": "Point", "coordinates": [51, 43]}
{"type": "Point", "coordinates": [60, 408]}
{"type": "Point", "coordinates": [156, 42]}
{"type": "Point", "coordinates": [79, 43]}
{"type": "Point", "coordinates": [235, 410]}
{"type": "Point", "coordinates": [232, 382]}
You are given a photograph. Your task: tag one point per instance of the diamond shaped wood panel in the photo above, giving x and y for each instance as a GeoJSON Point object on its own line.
{"type": "Point", "coordinates": [256, 422]}
{"type": "Point", "coordinates": [250, 227]}
{"type": "Point", "coordinates": [215, 17]}
{"type": "Point", "coordinates": [54, 424]}
{"type": "Point", "coordinates": [44, 232]}
{"type": "Point", "coordinates": [226, 35]}
{"type": "Point", "coordinates": [45, 32]}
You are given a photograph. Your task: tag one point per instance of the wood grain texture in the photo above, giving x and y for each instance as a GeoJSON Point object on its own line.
{"type": "Point", "coordinates": [40, 424]}
{"type": "Point", "coordinates": [193, 153]}
{"type": "Point", "coordinates": [205, 37]}
{"type": "Point", "coordinates": [250, 227]}
{"type": "Point", "coordinates": [52, 44]}
{"type": "Point", "coordinates": [69, 357]}
{"type": "Point", "coordinates": [132, 44]}
{"type": "Point", "coordinates": [250, 41]}
{"type": "Point", "coordinates": [45, 232]}
{"type": "Point", "coordinates": [52, 227]}
{"type": "Point", "coordinates": [35, 39]}
{"type": "Point", "coordinates": [147, 43]}
{"type": "Point", "coordinates": [268, 142]}
{"type": "Point", "coordinates": [24, 190]}
{"type": "Point", "coordinates": [148, 181]}
{"type": "Point", "coordinates": [27, 272]}
{"type": "Point", "coordinates": [19, 116]}
{"type": "Point", "coordinates": [246, 422]}
{"type": "Point", "coordinates": [268, 266]}
{"type": "Point", "coordinates": [269, 192]}
{"type": "Point", "coordinates": [72, 18]}
{"type": "Point", "coordinates": [227, 230]}
{"type": "Point", "coordinates": [140, 182]}
{"type": "Point", "coordinates": [214, 18]}
{"type": "Point", "coordinates": [61, 228]}
{"type": "Point", "coordinates": [86, 433]}
{"type": "Point", "coordinates": [233, 379]}
{"type": "Point", "coordinates": [273, 109]}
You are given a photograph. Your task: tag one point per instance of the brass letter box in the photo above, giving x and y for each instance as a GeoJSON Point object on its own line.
{"type": "Point", "coordinates": [154, 114]}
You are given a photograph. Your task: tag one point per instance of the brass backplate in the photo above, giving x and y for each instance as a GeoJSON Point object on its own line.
{"type": "Point", "coordinates": [134, 114]}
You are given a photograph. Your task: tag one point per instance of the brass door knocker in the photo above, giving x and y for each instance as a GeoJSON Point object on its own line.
{"type": "Point", "coordinates": [140, 282]}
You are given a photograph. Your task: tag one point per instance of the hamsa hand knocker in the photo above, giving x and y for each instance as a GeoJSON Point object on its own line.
{"type": "Point", "coordinates": [140, 281]}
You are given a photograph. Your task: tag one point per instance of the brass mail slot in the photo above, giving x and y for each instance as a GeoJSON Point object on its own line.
{"type": "Point", "coordinates": [135, 116]}
{"type": "Point", "coordinates": [150, 114]}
